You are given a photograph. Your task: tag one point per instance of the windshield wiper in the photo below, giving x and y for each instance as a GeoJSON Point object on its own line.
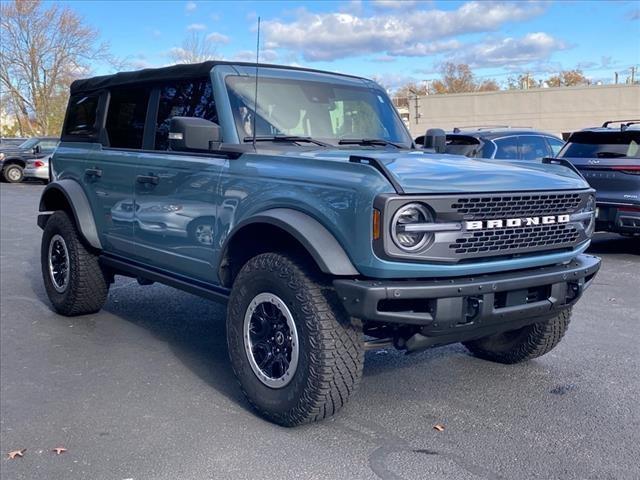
{"type": "Point", "coordinates": [368, 141]}
{"type": "Point", "coordinates": [287, 138]}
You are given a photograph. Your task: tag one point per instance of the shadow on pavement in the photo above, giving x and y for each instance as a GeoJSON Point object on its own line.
{"type": "Point", "coordinates": [614, 244]}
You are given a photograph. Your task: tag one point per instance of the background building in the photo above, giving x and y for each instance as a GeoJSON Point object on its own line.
{"type": "Point", "coordinates": [554, 110]}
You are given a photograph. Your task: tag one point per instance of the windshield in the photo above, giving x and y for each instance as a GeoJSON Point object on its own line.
{"type": "Point", "coordinates": [324, 111]}
{"type": "Point", "coordinates": [603, 145]}
{"type": "Point", "coordinates": [27, 144]}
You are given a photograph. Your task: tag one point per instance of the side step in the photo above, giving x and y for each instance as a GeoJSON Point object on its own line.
{"type": "Point", "coordinates": [135, 270]}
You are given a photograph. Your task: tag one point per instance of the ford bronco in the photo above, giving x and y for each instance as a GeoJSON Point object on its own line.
{"type": "Point", "coordinates": [299, 198]}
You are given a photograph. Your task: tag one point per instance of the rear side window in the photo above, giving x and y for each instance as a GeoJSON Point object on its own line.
{"type": "Point", "coordinates": [192, 98]}
{"type": "Point", "coordinates": [507, 148]}
{"type": "Point", "coordinates": [81, 115]}
{"type": "Point", "coordinates": [533, 147]}
{"type": "Point", "coordinates": [603, 145]}
{"type": "Point", "coordinates": [126, 117]}
{"type": "Point", "coordinates": [555, 144]}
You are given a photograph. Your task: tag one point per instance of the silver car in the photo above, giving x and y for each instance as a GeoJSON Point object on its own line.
{"type": "Point", "coordinates": [37, 168]}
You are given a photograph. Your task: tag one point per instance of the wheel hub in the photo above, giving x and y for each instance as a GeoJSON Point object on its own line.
{"type": "Point", "coordinates": [58, 260]}
{"type": "Point", "coordinates": [271, 340]}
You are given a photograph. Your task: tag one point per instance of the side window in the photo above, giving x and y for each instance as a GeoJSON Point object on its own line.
{"type": "Point", "coordinates": [191, 98]}
{"type": "Point", "coordinates": [81, 115]}
{"type": "Point", "coordinates": [507, 148]}
{"type": "Point", "coordinates": [126, 116]}
{"type": "Point", "coordinates": [533, 147]}
{"type": "Point", "coordinates": [48, 145]}
{"type": "Point", "coordinates": [555, 145]}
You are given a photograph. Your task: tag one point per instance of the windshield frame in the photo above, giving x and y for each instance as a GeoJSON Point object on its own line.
{"type": "Point", "coordinates": [397, 129]}
{"type": "Point", "coordinates": [29, 143]}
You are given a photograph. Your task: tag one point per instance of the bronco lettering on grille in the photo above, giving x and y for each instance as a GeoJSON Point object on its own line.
{"type": "Point", "coordinates": [515, 222]}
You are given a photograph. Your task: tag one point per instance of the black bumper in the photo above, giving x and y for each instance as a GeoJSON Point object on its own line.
{"type": "Point", "coordinates": [464, 308]}
{"type": "Point", "coordinates": [618, 218]}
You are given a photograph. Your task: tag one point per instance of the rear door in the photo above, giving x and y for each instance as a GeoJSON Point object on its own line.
{"type": "Point", "coordinates": [176, 193]}
{"type": "Point", "coordinates": [609, 161]}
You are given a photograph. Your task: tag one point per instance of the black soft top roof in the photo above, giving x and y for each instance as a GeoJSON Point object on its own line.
{"type": "Point", "coordinates": [174, 72]}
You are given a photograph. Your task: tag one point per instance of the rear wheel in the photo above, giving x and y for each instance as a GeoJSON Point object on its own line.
{"type": "Point", "coordinates": [73, 278]}
{"type": "Point", "coordinates": [13, 173]}
{"type": "Point", "coordinates": [295, 353]}
{"type": "Point", "coordinates": [523, 344]}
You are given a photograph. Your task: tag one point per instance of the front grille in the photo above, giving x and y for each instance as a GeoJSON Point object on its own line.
{"type": "Point", "coordinates": [511, 206]}
{"type": "Point", "coordinates": [509, 240]}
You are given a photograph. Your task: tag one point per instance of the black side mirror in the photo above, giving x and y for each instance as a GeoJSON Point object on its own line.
{"type": "Point", "coordinates": [436, 140]}
{"type": "Point", "coordinates": [36, 149]}
{"type": "Point", "coordinates": [188, 134]}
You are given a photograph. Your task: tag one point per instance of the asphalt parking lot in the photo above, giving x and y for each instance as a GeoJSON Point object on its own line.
{"type": "Point", "coordinates": [144, 390]}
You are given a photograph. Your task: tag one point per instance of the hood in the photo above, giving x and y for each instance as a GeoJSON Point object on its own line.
{"type": "Point", "coordinates": [422, 172]}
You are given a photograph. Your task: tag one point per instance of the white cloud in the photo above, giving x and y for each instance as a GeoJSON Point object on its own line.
{"type": "Point", "coordinates": [218, 38]}
{"type": "Point", "coordinates": [329, 36]}
{"type": "Point", "coordinates": [190, 6]}
{"type": "Point", "coordinates": [268, 56]}
{"type": "Point", "coordinates": [196, 27]}
{"type": "Point", "coordinates": [394, 4]}
{"type": "Point", "coordinates": [511, 51]}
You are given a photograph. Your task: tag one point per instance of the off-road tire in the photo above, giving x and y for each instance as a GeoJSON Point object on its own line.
{"type": "Point", "coordinates": [331, 348]}
{"type": "Point", "coordinates": [523, 344]}
{"type": "Point", "coordinates": [13, 173]}
{"type": "Point", "coordinates": [88, 286]}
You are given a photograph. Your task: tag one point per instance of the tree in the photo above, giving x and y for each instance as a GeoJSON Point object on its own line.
{"type": "Point", "coordinates": [568, 78]}
{"type": "Point", "coordinates": [195, 48]}
{"type": "Point", "coordinates": [43, 50]}
{"type": "Point", "coordinates": [402, 96]}
{"type": "Point", "coordinates": [458, 78]}
{"type": "Point", "coordinates": [523, 81]}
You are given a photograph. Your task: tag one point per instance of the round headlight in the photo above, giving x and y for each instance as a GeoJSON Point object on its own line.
{"type": "Point", "coordinates": [406, 238]}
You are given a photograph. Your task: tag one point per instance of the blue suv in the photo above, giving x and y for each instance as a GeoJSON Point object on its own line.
{"type": "Point", "coordinates": [298, 198]}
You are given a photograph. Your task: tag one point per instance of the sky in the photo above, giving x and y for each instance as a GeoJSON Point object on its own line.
{"type": "Point", "coordinates": [393, 41]}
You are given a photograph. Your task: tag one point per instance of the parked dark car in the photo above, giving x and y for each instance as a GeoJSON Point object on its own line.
{"type": "Point", "coordinates": [501, 143]}
{"type": "Point", "coordinates": [609, 159]}
{"type": "Point", "coordinates": [14, 159]}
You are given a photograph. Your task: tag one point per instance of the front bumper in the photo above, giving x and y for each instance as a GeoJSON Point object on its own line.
{"type": "Point", "coordinates": [618, 218]}
{"type": "Point", "coordinates": [463, 308]}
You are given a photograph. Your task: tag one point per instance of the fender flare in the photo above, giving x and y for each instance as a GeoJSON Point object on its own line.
{"type": "Point", "coordinates": [77, 200]}
{"type": "Point", "coordinates": [312, 235]}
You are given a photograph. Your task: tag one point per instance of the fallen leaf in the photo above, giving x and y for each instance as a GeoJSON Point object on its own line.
{"type": "Point", "coordinates": [16, 453]}
{"type": "Point", "coordinates": [59, 450]}
{"type": "Point", "coordinates": [438, 427]}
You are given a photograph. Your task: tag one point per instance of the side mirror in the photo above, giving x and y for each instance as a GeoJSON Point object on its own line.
{"type": "Point", "coordinates": [436, 140]}
{"type": "Point", "coordinates": [188, 134]}
{"type": "Point", "coordinates": [36, 149]}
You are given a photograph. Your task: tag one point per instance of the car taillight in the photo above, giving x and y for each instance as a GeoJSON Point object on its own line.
{"type": "Point", "coordinates": [38, 164]}
{"type": "Point", "coordinates": [628, 169]}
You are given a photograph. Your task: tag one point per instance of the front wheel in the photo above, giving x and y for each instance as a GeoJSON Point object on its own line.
{"type": "Point", "coordinates": [73, 278]}
{"type": "Point", "coordinates": [524, 343]}
{"type": "Point", "coordinates": [13, 173]}
{"type": "Point", "coordinates": [294, 351]}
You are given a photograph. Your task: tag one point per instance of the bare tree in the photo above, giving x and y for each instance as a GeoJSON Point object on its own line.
{"type": "Point", "coordinates": [196, 48]}
{"type": "Point", "coordinates": [459, 79]}
{"type": "Point", "coordinates": [43, 50]}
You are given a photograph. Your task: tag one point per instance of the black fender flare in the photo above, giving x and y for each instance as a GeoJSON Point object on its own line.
{"type": "Point", "coordinates": [312, 235]}
{"type": "Point", "coordinates": [77, 200]}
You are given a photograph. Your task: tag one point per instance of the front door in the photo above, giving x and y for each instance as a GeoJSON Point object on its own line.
{"type": "Point", "coordinates": [176, 193]}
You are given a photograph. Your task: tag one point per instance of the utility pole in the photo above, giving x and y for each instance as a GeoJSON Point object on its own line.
{"type": "Point", "coordinates": [616, 77]}
{"type": "Point", "coordinates": [633, 75]}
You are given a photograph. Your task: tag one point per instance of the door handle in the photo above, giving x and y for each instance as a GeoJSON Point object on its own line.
{"type": "Point", "coordinates": [93, 172]}
{"type": "Point", "coordinates": [148, 179]}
